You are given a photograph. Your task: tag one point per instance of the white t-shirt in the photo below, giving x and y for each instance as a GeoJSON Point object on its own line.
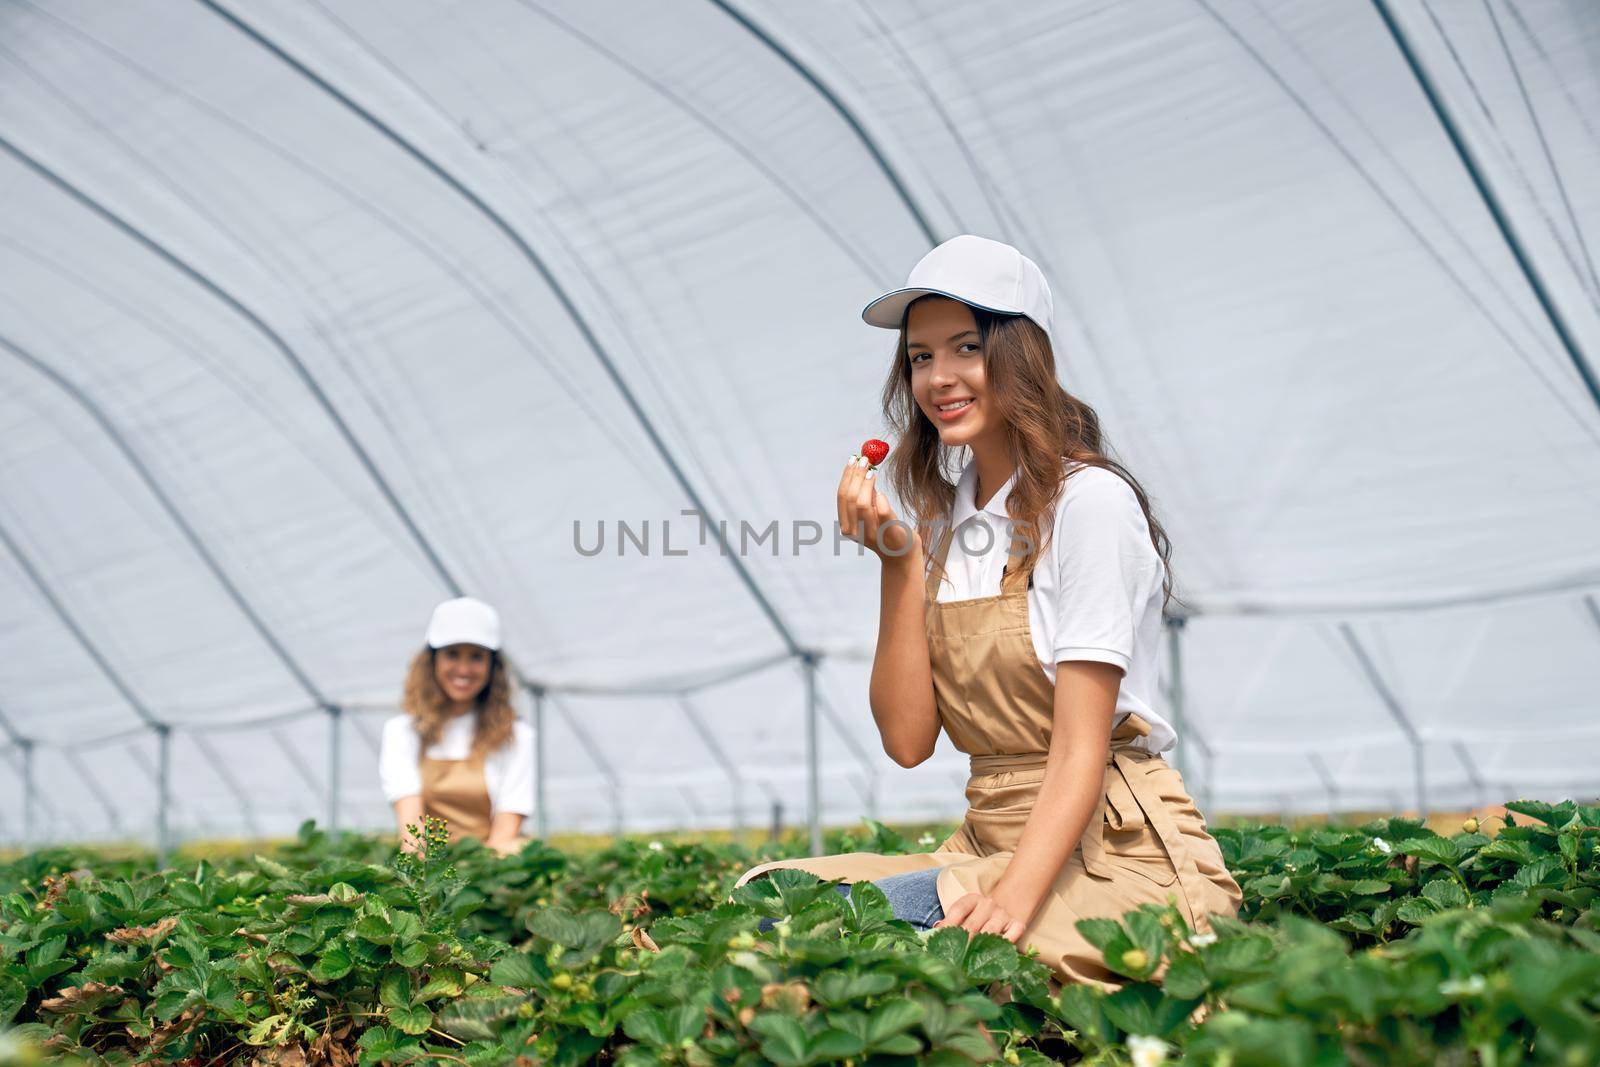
{"type": "Point", "coordinates": [508, 772]}
{"type": "Point", "coordinates": [1096, 589]}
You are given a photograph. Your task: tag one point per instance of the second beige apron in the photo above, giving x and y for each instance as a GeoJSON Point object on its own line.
{"type": "Point", "coordinates": [456, 791]}
{"type": "Point", "coordinates": [1146, 840]}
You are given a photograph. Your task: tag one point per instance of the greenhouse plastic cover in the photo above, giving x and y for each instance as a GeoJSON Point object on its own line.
{"type": "Point", "coordinates": [316, 313]}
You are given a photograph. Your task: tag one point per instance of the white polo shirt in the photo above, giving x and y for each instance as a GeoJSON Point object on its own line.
{"type": "Point", "coordinates": [1096, 589]}
{"type": "Point", "coordinates": [507, 772]}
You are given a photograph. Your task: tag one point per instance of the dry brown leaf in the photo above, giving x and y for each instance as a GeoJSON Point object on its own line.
{"type": "Point", "coordinates": [282, 1056]}
{"type": "Point", "coordinates": [139, 935]}
{"type": "Point", "coordinates": [643, 940]}
{"type": "Point", "coordinates": [76, 997]}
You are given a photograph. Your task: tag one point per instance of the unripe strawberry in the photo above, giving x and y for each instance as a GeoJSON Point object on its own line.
{"type": "Point", "coordinates": [1471, 825]}
{"type": "Point", "coordinates": [562, 980]}
{"type": "Point", "coordinates": [1135, 959]}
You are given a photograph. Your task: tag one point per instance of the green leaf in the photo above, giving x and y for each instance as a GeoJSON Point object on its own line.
{"type": "Point", "coordinates": [375, 929]}
{"type": "Point", "coordinates": [410, 954]}
{"type": "Point", "coordinates": [833, 1044]}
{"type": "Point", "coordinates": [332, 964]}
{"type": "Point", "coordinates": [648, 1026]}
{"type": "Point", "coordinates": [1145, 1009]}
{"type": "Point", "coordinates": [785, 1039]}
{"type": "Point", "coordinates": [1445, 893]}
{"type": "Point", "coordinates": [838, 988]}
{"type": "Point", "coordinates": [990, 958]}
{"type": "Point", "coordinates": [890, 1018]}
{"type": "Point", "coordinates": [518, 970]}
{"type": "Point", "coordinates": [394, 990]}
{"type": "Point", "coordinates": [1186, 977]}
{"type": "Point", "coordinates": [1100, 932]}
{"type": "Point", "coordinates": [413, 1020]}
{"type": "Point", "coordinates": [1437, 849]}
{"type": "Point", "coordinates": [948, 943]}
{"type": "Point", "coordinates": [1083, 1008]}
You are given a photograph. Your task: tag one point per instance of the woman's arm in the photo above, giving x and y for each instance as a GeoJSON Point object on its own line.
{"type": "Point", "coordinates": [1074, 779]}
{"type": "Point", "coordinates": [505, 832]}
{"type": "Point", "coordinates": [901, 690]}
{"type": "Point", "coordinates": [408, 812]}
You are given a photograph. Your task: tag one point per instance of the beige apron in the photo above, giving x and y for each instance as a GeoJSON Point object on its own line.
{"type": "Point", "coordinates": [456, 791]}
{"type": "Point", "coordinates": [1146, 841]}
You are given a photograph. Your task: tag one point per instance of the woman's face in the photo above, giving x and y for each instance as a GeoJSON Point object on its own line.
{"type": "Point", "coordinates": [461, 671]}
{"type": "Point", "coordinates": [946, 356]}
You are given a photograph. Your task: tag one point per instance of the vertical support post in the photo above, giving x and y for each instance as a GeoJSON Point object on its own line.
{"type": "Point", "coordinates": [541, 797]}
{"type": "Point", "coordinates": [163, 793]}
{"type": "Point", "coordinates": [1175, 624]}
{"type": "Point", "coordinates": [335, 757]}
{"type": "Point", "coordinates": [1329, 784]}
{"type": "Point", "coordinates": [808, 661]}
{"type": "Point", "coordinates": [30, 799]}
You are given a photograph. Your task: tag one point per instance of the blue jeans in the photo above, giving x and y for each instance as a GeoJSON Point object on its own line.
{"type": "Point", "coordinates": [912, 897]}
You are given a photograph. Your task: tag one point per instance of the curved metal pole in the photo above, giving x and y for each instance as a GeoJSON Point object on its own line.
{"type": "Point", "coordinates": [569, 306]}
{"type": "Point", "coordinates": [867, 140]}
{"type": "Point", "coordinates": [271, 336]}
{"type": "Point", "coordinates": [1491, 201]}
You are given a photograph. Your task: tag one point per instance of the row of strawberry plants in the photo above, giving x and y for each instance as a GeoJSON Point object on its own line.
{"type": "Point", "coordinates": [1382, 944]}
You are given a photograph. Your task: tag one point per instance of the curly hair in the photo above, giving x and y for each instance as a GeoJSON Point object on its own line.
{"type": "Point", "coordinates": [429, 709]}
{"type": "Point", "coordinates": [1046, 426]}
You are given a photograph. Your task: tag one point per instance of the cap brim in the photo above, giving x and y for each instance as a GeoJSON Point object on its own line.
{"type": "Point", "coordinates": [889, 310]}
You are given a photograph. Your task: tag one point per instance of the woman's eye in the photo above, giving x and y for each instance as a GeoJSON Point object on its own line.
{"type": "Point", "coordinates": [973, 345]}
{"type": "Point", "coordinates": [919, 356]}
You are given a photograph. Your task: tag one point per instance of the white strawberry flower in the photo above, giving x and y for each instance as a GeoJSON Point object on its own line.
{"type": "Point", "coordinates": [656, 846]}
{"type": "Point", "coordinates": [1382, 846]}
{"type": "Point", "coordinates": [1471, 986]}
{"type": "Point", "coordinates": [1146, 1051]}
{"type": "Point", "coordinates": [1201, 940]}
{"type": "Point", "coordinates": [925, 840]}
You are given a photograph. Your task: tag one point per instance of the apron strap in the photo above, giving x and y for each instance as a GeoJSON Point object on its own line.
{"type": "Point", "coordinates": [941, 552]}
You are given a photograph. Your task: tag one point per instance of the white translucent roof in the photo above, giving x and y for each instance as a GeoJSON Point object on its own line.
{"type": "Point", "coordinates": [314, 314]}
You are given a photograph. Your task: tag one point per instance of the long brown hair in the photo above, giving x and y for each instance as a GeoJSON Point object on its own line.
{"type": "Point", "coordinates": [429, 709]}
{"type": "Point", "coordinates": [1046, 427]}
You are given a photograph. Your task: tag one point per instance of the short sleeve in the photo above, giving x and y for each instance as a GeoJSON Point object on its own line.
{"type": "Point", "coordinates": [397, 759]}
{"type": "Point", "coordinates": [1106, 568]}
{"type": "Point", "coordinates": [513, 790]}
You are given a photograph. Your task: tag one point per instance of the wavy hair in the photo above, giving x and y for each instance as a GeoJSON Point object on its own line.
{"type": "Point", "coordinates": [429, 709]}
{"type": "Point", "coordinates": [1046, 427]}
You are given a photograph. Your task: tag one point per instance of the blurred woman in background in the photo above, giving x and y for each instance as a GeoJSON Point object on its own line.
{"type": "Point", "coordinates": [459, 752]}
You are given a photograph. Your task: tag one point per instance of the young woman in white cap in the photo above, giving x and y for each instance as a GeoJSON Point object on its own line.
{"type": "Point", "coordinates": [459, 752]}
{"type": "Point", "coordinates": [1033, 643]}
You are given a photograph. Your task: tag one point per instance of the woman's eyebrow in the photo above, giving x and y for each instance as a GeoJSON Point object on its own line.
{"type": "Point", "coordinates": [950, 340]}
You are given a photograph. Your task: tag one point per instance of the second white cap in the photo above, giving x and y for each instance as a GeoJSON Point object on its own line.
{"type": "Point", "coordinates": [464, 621]}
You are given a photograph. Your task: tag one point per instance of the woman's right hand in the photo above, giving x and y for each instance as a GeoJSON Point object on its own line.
{"type": "Point", "coordinates": [866, 517]}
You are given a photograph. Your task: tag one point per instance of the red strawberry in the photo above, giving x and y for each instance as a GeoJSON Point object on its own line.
{"type": "Point", "coordinates": [876, 451]}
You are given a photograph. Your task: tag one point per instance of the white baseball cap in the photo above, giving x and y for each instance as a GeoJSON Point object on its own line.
{"type": "Point", "coordinates": [974, 270]}
{"type": "Point", "coordinates": [464, 621]}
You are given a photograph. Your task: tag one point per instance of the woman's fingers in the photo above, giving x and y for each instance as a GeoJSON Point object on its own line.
{"type": "Point", "coordinates": [847, 499]}
{"type": "Point", "coordinates": [959, 910]}
{"type": "Point", "coordinates": [997, 922]}
{"type": "Point", "coordinates": [1014, 932]}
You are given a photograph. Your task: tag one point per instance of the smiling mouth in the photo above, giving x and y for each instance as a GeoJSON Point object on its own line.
{"type": "Point", "coordinates": [954, 405]}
